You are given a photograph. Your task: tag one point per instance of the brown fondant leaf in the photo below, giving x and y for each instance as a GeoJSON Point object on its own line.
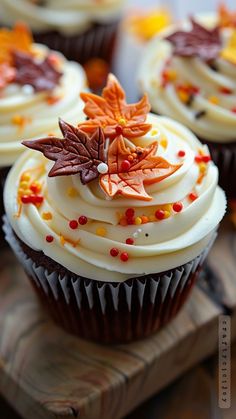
{"type": "Point", "coordinates": [227, 18]}
{"type": "Point", "coordinates": [200, 41]}
{"type": "Point", "coordinates": [146, 169]}
{"type": "Point", "coordinates": [78, 152]}
{"type": "Point", "coordinates": [43, 76]}
{"type": "Point", "coordinates": [113, 114]}
{"type": "Point", "coordinates": [17, 39]}
{"type": "Point", "coordinates": [7, 74]}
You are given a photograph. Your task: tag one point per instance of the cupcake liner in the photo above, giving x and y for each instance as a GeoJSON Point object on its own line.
{"type": "Point", "coordinates": [96, 42]}
{"type": "Point", "coordinates": [3, 174]}
{"type": "Point", "coordinates": [224, 156]}
{"type": "Point", "coordinates": [107, 312]}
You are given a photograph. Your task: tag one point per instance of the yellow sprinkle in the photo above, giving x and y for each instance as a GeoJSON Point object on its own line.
{"type": "Point", "coordinates": [25, 176]}
{"type": "Point", "coordinates": [46, 216]}
{"type": "Point", "coordinates": [24, 184]}
{"type": "Point", "coordinates": [138, 221]}
{"type": "Point", "coordinates": [214, 99]}
{"type": "Point", "coordinates": [171, 75]}
{"type": "Point", "coordinates": [202, 167]}
{"type": "Point", "coordinates": [21, 191]}
{"type": "Point", "coordinates": [101, 232]}
{"type": "Point", "coordinates": [167, 207]}
{"type": "Point", "coordinates": [62, 240]}
{"type": "Point", "coordinates": [122, 121]}
{"type": "Point", "coordinates": [167, 214]}
{"type": "Point", "coordinates": [164, 142]}
{"type": "Point", "coordinates": [184, 96]}
{"type": "Point", "coordinates": [72, 192]}
{"type": "Point", "coordinates": [152, 218]}
{"type": "Point", "coordinates": [154, 132]}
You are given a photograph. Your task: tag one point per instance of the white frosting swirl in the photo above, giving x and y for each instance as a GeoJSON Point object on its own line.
{"type": "Point", "coordinates": [40, 116]}
{"type": "Point", "coordinates": [158, 245]}
{"type": "Point", "coordinates": [69, 17]}
{"type": "Point", "coordinates": [219, 121]}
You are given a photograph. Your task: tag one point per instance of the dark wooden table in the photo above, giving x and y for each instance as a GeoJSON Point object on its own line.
{"type": "Point", "coordinates": [193, 396]}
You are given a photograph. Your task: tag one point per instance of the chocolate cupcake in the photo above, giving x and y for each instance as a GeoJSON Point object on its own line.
{"type": "Point", "coordinates": [37, 85]}
{"type": "Point", "coordinates": [80, 29]}
{"type": "Point", "coordinates": [189, 74]}
{"type": "Point", "coordinates": [122, 217]}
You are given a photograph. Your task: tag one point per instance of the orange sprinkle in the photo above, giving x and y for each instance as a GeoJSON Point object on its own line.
{"type": "Point", "coordinates": [72, 192]}
{"type": "Point", "coordinates": [145, 219]}
{"type": "Point", "coordinates": [123, 221]}
{"type": "Point", "coordinates": [51, 100]}
{"type": "Point", "coordinates": [20, 121]}
{"type": "Point", "coordinates": [47, 216]}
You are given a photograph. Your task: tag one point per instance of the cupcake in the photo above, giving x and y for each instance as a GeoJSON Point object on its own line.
{"type": "Point", "coordinates": [189, 74]}
{"type": "Point", "coordinates": [36, 86]}
{"type": "Point", "coordinates": [121, 217]}
{"type": "Point", "coordinates": [80, 29]}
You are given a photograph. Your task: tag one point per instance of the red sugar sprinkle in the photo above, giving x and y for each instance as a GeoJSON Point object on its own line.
{"type": "Point", "coordinates": [206, 159]}
{"type": "Point", "coordinates": [181, 153]}
{"type": "Point", "coordinates": [119, 129]}
{"type": "Point", "coordinates": [114, 252]}
{"type": "Point", "coordinates": [233, 110]}
{"type": "Point", "coordinates": [177, 206]}
{"type": "Point", "coordinates": [129, 240]}
{"type": "Point", "coordinates": [25, 199]}
{"type": "Point", "coordinates": [129, 212]}
{"type": "Point", "coordinates": [160, 214]}
{"type": "Point", "coordinates": [193, 196]}
{"type": "Point", "coordinates": [225, 90]}
{"type": "Point", "coordinates": [198, 159]}
{"type": "Point", "coordinates": [83, 220]}
{"type": "Point", "coordinates": [73, 224]}
{"type": "Point", "coordinates": [36, 199]}
{"type": "Point", "coordinates": [49, 239]}
{"type": "Point", "coordinates": [125, 165]}
{"type": "Point", "coordinates": [130, 220]}
{"type": "Point", "coordinates": [124, 257]}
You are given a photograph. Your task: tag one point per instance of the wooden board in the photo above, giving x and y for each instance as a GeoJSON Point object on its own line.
{"type": "Point", "coordinates": [46, 373]}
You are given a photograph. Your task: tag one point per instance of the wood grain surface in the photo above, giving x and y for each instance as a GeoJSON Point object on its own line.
{"type": "Point", "coordinates": [46, 373]}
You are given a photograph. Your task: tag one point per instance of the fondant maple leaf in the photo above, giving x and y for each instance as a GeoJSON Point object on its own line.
{"type": "Point", "coordinates": [43, 76]}
{"type": "Point", "coordinates": [7, 74]}
{"type": "Point", "coordinates": [146, 169]}
{"type": "Point", "coordinates": [76, 153]}
{"type": "Point", "coordinates": [227, 18]}
{"type": "Point", "coordinates": [17, 39]}
{"type": "Point", "coordinates": [229, 52]}
{"type": "Point", "coordinates": [113, 114]}
{"type": "Point", "coordinates": [200, 41]}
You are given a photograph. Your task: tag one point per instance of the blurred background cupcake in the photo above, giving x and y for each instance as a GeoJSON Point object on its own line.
{"type": "Point", "coordinates": [80, 29]}
{"type": "Point", "coordinates": [122, 218]}
{"type": "Point", "coordinates": [189, 74]}
{"type": "Point", "coordinates": [138, 27]}
{"type": "Point", "coordinates": [36, 86]}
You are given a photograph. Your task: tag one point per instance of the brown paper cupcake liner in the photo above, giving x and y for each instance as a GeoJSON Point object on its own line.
{"type": "Point", "coordinates": [107, 312]}
{"type": "Point", "coordinates": [96, 42]}
{"type": "Point", "coordinates": [224, 156]}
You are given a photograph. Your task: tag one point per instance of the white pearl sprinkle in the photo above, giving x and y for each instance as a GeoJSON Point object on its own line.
{"type": "Point", "coordinates": [135, 235]}
{"type": "Point", "coordinates": [102, 168]}
{"type": "Point", "coordinates": [139, 230]}
{"type": "Point", "coordinates": [27, 89]}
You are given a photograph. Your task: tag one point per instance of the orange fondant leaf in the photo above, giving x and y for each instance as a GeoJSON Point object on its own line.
{"type": "Point", "coordinates": [145, 169]}
{"type": "Point", "coordinates": [7, 74]}
{"type": "Point", "coordinates": [17, 39]}
{"type": "Point", "coordinates": [113, 114]}
{"type": "Point", "coordinates": [226, 17]}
